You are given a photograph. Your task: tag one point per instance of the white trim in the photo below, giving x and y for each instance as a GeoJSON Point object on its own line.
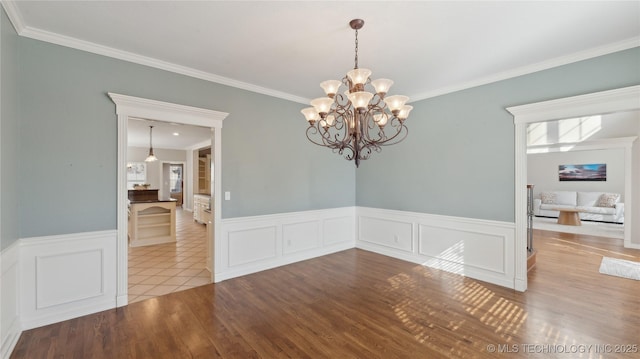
{"type": "Point", "coordinates": [10, 300]}
{"type": "Point", "coordinates": [167, 112]}
{"type": "Point", "coordinates": [197, 146]}
{"type": "Point", "coordinates": [66, 276]}
{"type": "Point", "coordinates": [128, 107]}
{"type": "Point", "coordinates": [524, 70]}
{"type": "Point", "coordinates": [479, 249]}
{"type": "Point", "coordinates": [14, 15]}
{"type": "Point", "coordinates": [623, 99]}
{"type": "Point", "coordinates": [252, 244]}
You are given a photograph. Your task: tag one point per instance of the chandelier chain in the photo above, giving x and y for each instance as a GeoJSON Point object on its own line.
{"type": "Point", "coordinates": [356, 66]}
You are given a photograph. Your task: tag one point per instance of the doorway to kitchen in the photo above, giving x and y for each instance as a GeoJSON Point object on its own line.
{"type": "Point", "coordinates": [128, 107]}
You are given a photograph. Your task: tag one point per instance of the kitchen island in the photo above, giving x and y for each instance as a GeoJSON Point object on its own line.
{"type": "Point", "coordinates": [151, 221]}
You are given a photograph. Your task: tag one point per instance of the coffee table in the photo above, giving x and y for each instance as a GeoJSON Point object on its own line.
{"type": "Point", "coordinates": [569, 216]}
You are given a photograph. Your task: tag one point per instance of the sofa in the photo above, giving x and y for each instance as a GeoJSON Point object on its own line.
{"type": "Point", "coordinates": [593, 206]}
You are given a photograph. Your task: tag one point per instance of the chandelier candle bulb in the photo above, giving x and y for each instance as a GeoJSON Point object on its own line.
{"type": "Point", "coordinates": [380, 119]}
{"type": "Point", "coordinates": [395, 103]}
{"type": "Point", "coordinates": [360, 99]}
{"type": "Point", "coordinates": [359, 76]}
{"type": "Point", "coordinates": [330, 87]}
{"type": "Point", "coordinates": [404, 112]}
{"type": "Point", "coordinates": [322, 105]}
{"type": "Point", "coordinates": [310, 114]}
{"type": "Point", "coordinates": [382, 86]}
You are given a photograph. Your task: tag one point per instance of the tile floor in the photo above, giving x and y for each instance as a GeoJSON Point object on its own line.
{"type": "Point", "coordinates": [166, 268]}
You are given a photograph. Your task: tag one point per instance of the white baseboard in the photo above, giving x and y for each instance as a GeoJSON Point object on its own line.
{"type": "Point", "coordinates": [10, 325]}
{"type": "Point", "coordinates": [478, 249]}
{"type": "Point", "coordinates": [253, 244]}
{"type": "Point", "coordinates": [628, 244]}
{"type": "Point", "coordinates": [66, 276]}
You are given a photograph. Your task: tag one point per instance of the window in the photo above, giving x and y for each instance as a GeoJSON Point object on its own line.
{"type": "Point", "coordinates": [175, 178]}
{"type": "Point", "coordinates": [136, 173]}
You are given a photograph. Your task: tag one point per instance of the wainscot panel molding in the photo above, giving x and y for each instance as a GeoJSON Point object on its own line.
{"type": "Point", "coordinates": [252, 244]}
{"type": "Point", "coordinates": [10, 310]}
{"type": "Point", "coordinates": [66, 276]}
{"type": "Point", "coordinates": [478, 249]}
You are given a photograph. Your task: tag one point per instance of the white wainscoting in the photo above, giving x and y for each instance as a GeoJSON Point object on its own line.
{"type": "Point", "coordinates": [253, 244]}
{"type": "Point", "coordinates": [479, 249]}
{"type": "Point", "coordinates": [66, 276]}
{"type": "Point", "coordinates": [10, 311]}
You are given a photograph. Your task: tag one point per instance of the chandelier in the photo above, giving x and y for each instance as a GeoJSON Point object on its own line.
{"type": "Point", "coordinates": [357, 122]}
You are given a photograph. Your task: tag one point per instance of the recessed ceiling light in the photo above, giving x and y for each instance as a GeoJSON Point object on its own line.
{"type": "Point", "coordinates": [176, 134]}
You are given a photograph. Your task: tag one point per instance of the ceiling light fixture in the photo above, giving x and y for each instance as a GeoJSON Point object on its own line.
{"type": "Point", "coordinates": [151, 156]}
{"type": "Point", "coordinates": [358, 122]}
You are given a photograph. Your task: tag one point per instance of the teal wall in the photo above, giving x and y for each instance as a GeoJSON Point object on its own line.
{"type": "Point", "coordinates": [68, 142]}
{"type": "Point", "coordinates": [458, 159]}
{"type": "Point", "coordinates": [59, 148]}
{"type": "Point", "coordinates": [9, 133]}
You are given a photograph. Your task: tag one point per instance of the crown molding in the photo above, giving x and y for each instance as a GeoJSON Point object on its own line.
{"type": "Point", "coordinates": [525, 70]}
{"type": "Point", "coordinates": [37, 34]}
{"type": "Point", "coordinates": [14, 15]}
{"type": "Point", "coordinates": [87, 46]}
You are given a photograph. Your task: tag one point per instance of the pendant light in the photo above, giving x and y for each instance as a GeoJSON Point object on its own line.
{"type": "Point", "coordinates": [151, 157]}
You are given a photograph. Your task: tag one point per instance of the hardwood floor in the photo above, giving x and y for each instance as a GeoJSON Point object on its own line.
{"type": "Point", "coordinates": [357, 304]}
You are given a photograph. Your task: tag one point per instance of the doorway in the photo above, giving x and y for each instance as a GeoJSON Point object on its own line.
{"type": "Point", "coordinates": [133, 107]}
{"type": "Point", "coordinates": [581, 145]}
{"type": "Point", "coordinates": [175, 185]}
{"type": "Point", "coordinates": [623, 99]}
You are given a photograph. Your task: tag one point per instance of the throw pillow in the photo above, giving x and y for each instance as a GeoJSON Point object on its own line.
{"type": "Point", "coordinates": [608, 200]}
{"type": "Point", "coordinates": [548, 197]}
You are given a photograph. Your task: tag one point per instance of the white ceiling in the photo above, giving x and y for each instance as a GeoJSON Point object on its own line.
{"type": "Point", "coordinates": [285, 48]}
{"type": "Point", "coordinates": [164, 135]}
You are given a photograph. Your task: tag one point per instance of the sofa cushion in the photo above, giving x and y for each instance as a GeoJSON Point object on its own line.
{"type": "Point", "coordinates": [548, 197]}
{"type": "Point", "coordinates": [598, 210]}
{"type": "Point", "coordinates": [566, 197]}
{"type": "Point", "coordinates": [555, 207]}
{"type": "Point", "coordinates": [588, 199]}
{"type": "Point", "coordinates": [608, 200]}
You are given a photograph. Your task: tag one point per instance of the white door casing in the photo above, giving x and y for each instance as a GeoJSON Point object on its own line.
{"type": "Point", "coordinates": [623, 99]}
{"type": "Point", "coordinates": [128, 107]}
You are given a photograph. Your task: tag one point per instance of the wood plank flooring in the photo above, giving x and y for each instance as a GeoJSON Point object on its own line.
{"type": "Point", "coordinates": [357, 304]}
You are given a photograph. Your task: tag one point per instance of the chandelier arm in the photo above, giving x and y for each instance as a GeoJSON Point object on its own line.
{"type": "Point", "coordinates": [392, 140]}
{"type": "Point", "coordinates": [313, 132]}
